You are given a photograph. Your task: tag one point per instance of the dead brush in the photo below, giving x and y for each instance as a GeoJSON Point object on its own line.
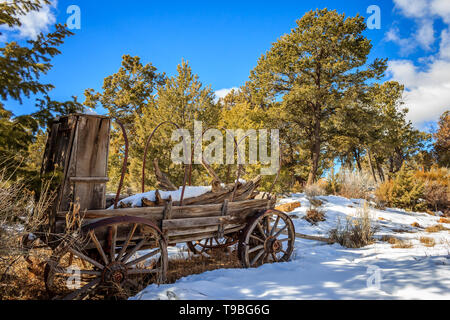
{"type": "Point", "coordinates": [357, 232]}
{"type": "Point", "coordinates": [402, 244]}
{"type": "Point", "coordinates": [428, 242]}
{"type": "Point", "coordinates": [397, 243]}
{"type": "Point", "coordinates": [181, 266]}
{"type": "Point", "coordinates": [314, 216]}
{"type": "Point", "coordinates": [436, 228]}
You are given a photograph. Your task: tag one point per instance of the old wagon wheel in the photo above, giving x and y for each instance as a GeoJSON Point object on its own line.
{"type": "Point", "coordinates": [269, 237]}
{"type": "Point", "coordinates": [205, 246]}
{"type": "Point", "coordinates": [113, 263]}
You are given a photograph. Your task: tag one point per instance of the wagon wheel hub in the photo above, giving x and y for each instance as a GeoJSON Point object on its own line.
{"type": "Point", "coordinates": [115, 272]}
{"type": "Point", "coordinates": [272, 245]}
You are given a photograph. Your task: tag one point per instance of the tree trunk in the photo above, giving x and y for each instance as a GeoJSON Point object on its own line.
{"type": "Point", "coordinates": [369, 155]}
{"type": "Point", "coordinates": [380, 170]}
{"type": "Point", "coordinates": [357, 159]}
{"type": "Point", "coordinates": [315, 153]}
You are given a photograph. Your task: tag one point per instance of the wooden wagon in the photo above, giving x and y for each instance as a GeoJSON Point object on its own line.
{"type": "Point", "coordinates": [126, 248]}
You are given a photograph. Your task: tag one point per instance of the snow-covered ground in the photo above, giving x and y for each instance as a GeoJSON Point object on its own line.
{"type": "Point", "coordinates": [322, 271]}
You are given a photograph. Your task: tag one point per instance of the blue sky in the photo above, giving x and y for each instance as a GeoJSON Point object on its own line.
{"type": "Point", "coordinates": [223, 40]}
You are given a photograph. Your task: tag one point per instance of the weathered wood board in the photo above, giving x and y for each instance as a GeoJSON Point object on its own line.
{"type": "Point", "coordinates": [78, 148]}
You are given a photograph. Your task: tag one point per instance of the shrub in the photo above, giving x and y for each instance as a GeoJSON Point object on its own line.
{"type": "Point", "coordinates": [355, 184]}
{"type": "Point", "coordinates": [314, 216]}
{"type": "Point", "coordinates": [383, 194]}
{"type": "Point", "coordinates": [428, 242]}
{"type": "Point", "coordinates": [333, 185]}
{"type": "Point", "coordinates": [437, 187]}
{"type": "Point", "coordinates": [402, 244]}
{"type": "Point", "coordinates": [358, 232]}
{"type": "Point", "coordinates": [436, 228]}
{"type": "Point", "coordinates": [408, 191]}
{"type": "Point", "coordinates": [313, 191]}
{"type": "Point", "coordinates": [405, 191]}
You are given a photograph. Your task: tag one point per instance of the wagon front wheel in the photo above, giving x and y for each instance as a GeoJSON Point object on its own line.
{"type": "Point", "coordinates": [268, 238]}
{"type": "Point", "coordinates": [121, 256]}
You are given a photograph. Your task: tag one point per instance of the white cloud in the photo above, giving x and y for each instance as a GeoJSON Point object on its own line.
{"type": "Point", "coordinates": [412, 9]}
{"type": "Point", "coordinates": [427, 80]}
{"type": "Point", "coordinates": [35, 22]}
{"type": "Point", "coordinates": [427, 93]}
{"type": "Point", "coordinates": [222, 93]}
{"type": "Point", "coordinates": [442, 9]}
{"type": "Point", "coordinates": [425, 34]}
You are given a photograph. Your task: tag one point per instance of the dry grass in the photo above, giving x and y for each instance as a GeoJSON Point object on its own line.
{"type": "Point", "coordinates": [355, 184]}
{"type": "Point", "coordinates": [428, 242]}
{"type": "Point", "coordinates": [404, 231]}
{"type": "Point", "coordinates": [180, 267]}
{"type": "Point", "coordinates": [314, 216]}
{"type": "Point", "coordinates": [358, 232]}
{"type": "Point", "coordinates": [397, 243]}
{"type": "Point", "coordinates": [436, 228]}
{"type": "Point", "coordinates": [402, 244]}
{"type": "Point", "coordinates": [416, 225]}
{"type": "Point", "coordinates": [444, 220]}
{"type": "Point", "coordinates": [22, 280]}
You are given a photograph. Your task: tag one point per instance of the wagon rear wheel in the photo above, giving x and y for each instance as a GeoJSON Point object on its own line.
{"type": "Point", "coordinates": [268, 238]}
{"type": "Point", "coordinates": [121, 257]}
{"type": "Point", "coordinates": [206, 246]}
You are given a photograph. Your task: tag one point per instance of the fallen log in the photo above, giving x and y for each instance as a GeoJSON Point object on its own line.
{"type": "Point", "coordinates": [163, 182]}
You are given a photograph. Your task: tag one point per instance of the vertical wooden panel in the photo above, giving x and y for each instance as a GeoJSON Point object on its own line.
{"type": "Point", "coordinates": [92, 160]}
{"type": "Point", "coordinates": [78, 146]}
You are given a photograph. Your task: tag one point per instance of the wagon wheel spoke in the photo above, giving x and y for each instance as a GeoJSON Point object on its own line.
{"type": "Point", "coordinates": [256, 238]}
{"type": "Point", "coordinates": [260, 228]}
{"type": "Point", "coordinates": [86, 258]}
{"type": "Point", "coordinates": [127, 242]}
{"type": "Point", "coordinates": [143, 258]}
{"type": "Point", "coordinates": [257, 248]}
{"type": "Point", "coordinates": [274, 256]}
{"type": "Point", "coordinates": [256, 258]}
{"type": "Point", "coordinates": [99, 247]}
{"type": "Point", "coordinates": [280, 231]}
{"type": "Point", "coordinates": [82, 290]}
{"type": "Point", "coordinates": [134, 250]}
{"type": "Point", "coordinates": [275, 225]}
{"type": "Point", "coordinates": [112, 252]}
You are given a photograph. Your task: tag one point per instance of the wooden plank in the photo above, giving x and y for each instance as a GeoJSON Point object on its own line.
{"type": "Point", "coordinates": [192, 231]}
{"type": "Point", "coordinates": [91, 161]}
{"type": "Point", "coordinates": [200, 236]}
{"type": "Point", "coordinates": [195, 222]}
{"type": "Point", "coordinates": [89, 179]}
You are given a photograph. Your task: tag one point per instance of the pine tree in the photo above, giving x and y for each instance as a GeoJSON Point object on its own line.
{"type": "Point", "coordinates": [407, 190]}
{"type": "Point", "coordinates": [442, 144]}
{"type": "Point", "coordinates": [126, 95]}
{"type": "Point", "coordinates": [21, 66]}
{"type": "Point", "coordinates": [182, 99]}
{"type": "Point", "coordinates": [312, 70]}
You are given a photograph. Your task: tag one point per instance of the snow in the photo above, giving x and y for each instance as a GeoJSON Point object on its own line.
{"type": "Point", "coordinates": [190, 192]}
{"type": "Point", "coordinates": [321, 271]}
